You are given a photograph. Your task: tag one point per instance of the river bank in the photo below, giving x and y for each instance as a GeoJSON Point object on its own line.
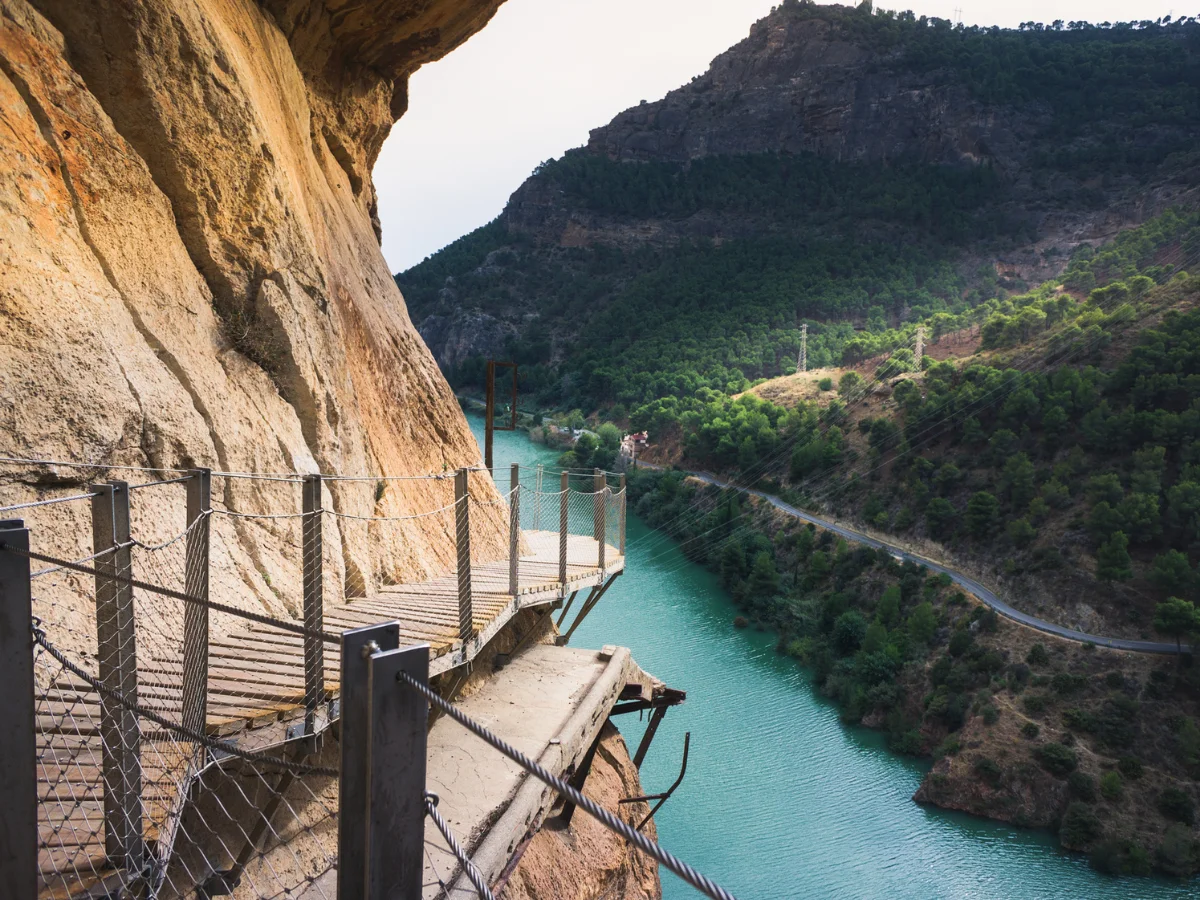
{"type": "Point", "coordinates": [782, 798]}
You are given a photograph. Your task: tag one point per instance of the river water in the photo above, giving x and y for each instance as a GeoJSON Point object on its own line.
{"type": "Point", "coordinates": [781, 799]}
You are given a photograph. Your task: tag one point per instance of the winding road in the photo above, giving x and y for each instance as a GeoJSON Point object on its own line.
{"type": "Point", "coordinates": [984, 594]}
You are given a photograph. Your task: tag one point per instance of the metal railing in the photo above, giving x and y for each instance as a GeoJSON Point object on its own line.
{"type": "Point", "coordinates": [129, 713]}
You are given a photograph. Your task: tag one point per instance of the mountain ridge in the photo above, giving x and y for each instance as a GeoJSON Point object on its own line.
{"type": "Point", "coordinates": [816, 105]}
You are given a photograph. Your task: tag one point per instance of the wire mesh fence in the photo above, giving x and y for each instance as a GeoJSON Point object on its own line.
{"type": "Point", "coordinates": [175, 732]}
{"type": "Point", "coordinates": [133, 803]}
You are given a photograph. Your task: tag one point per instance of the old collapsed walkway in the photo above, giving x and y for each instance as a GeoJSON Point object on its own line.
{"type": "Point", "coordinates": [261, 684]}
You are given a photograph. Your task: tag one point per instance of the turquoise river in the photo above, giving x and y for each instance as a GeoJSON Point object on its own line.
{"type": "Point", "coordinates": [781, 800]}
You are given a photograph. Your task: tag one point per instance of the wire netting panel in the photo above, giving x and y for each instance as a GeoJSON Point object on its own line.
{"type": "Point", "coordinates": [130, 804]}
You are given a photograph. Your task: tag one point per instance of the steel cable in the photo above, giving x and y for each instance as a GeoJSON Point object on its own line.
{"type": "Point", "coordinates": [472, 871]}
{"type": "Point", "coordinates": [179, 595]}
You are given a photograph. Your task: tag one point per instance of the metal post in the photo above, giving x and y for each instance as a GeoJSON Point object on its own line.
{"type": "Point", "coordinates": [357, 647]}
{"type": "Point", "coordinates": [314, 612]}
{"type": "Point", "coordinates": [395, 821]}
{"type": "Point", "coordinates": [489, 415]}
{"type": "Point", "coordinates": [195, 615]}
{"type": "Point", "coordinates": [564, 485]}
{"type": "Point", "coordinates": [599, 489]}
{"type": "Point", "coordinates": [514, 530]}
{"type": "Point", "coordinates": [18, 752]}
{"type": "Point", "coordinates": [579, 778]}
{"type": "Point", "coordinates": [116, 643]}
{"type": "Point", "coordinates": [624, 500]}
{"type": "Point", "coordinates": [462, 540]}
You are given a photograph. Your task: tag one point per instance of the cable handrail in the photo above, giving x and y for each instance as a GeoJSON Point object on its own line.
{"type": "Point", "coordinates": [50, 502]}
{"type": "Point", "coordinates": [261, 619]}
{"type": "Point", "coordinates": [289, 477]}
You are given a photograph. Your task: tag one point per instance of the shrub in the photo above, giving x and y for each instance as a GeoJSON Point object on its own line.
{"type": "Point", "coordinates": [1056, 759]}
{"type": "Point", "coordinates": [1079, 826]}
{"type": "Point", "coordinates": [1178, 852]}
{"type": "Point", "coordinates": [906, 742]}
{"type": "Point", "coordinates": [741, 622]}
{"type": "Point", "coordinates": [1034, 703]}
{"type": "Point", "coordinates": [949, 747]}
{"type": "Point", "coordinates": [991, 715]}
{"type": "Point", "coordinates": [849, 630]}
{"type": "Point", "coordinates": [825, 384]}
{"type": "Point", "coordinates": [1130, 767]}
{"type": "Point", "coordinates": [960, 642]}
{"type": "Point", "coordinates": [987, 770]}
{"type": "Point", "coordinates": [1077, 719]}
{"type": "Point", "coordinates": [1030, 730]}
{"type": "Point", "coordinates": [1176, 804]}
{"type": "Point", "coordinates": [1065, 683]}
{"type": "Point", "coordinates": [1037, 656]}
{"type": "Point", "coordinates": [1110, 786]}
{"type": "Point", "coordinates": [1120, 856]}
{"type": "Point", "coordinates": [1082, 786]}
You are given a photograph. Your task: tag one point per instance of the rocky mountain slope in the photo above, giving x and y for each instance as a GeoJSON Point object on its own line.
{"type": "Point", "coordinates": [836, 167]}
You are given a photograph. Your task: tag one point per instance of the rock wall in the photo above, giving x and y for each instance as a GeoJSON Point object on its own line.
{"type": "Point", "coordinates": [190, 271]}
{"type": "Point", "coordinates": [587, 861]}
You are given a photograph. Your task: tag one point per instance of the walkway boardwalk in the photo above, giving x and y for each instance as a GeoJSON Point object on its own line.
{"type": "Point", "coordinates": [257, 695]}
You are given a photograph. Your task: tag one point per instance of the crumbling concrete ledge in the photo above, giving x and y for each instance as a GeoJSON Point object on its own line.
{"type": "Point", "coordinates": [551, 704]}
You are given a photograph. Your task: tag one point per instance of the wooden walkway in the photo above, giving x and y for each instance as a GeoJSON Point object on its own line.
{"type": "Point", "coordinates": [255, 688]}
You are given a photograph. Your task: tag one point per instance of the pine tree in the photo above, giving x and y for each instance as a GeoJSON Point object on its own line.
{"type": "Point", "coordinates": [1112, 559]}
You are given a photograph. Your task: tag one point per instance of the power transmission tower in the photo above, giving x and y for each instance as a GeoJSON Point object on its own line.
{"type": "Point", "coordinates": [920, 352]}
{"type": "Point", "coordinates": [802, 359]}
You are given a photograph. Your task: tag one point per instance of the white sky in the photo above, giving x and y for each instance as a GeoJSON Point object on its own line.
{"type": "Point", "coordinates": [543, 73]}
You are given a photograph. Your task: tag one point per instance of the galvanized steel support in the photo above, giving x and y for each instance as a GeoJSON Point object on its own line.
{"type": "Point", "coordinates": [195, 615]}
{"type": "Point", "coordinates": [624, 501]}
{"type": "Point", "coordinates": [116, 645]}
{"type": "Point", "coordinates": [564, 483]}
{"type": "Point", "coordinates": [462, 540]}
{"type": "Point", "coordinates": [600, 492]}
{"type": "Point", "coordinates": [313, 556]}
{"type": "Point", "coordinates": [18, 752]}
{"type": "Point", "coordinates": [514, 530]}
{"type": "Point", "coordinates": [381, 820]}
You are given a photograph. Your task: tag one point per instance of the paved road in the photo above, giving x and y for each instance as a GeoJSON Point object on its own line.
{"type": "Point", "coordinates": [983, 593]}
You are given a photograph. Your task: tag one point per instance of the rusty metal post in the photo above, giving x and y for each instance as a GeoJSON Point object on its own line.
{"type": "Point", "coordinates": [621, 511]}
{"type": "Point", "coordinates": [18, 751]}
{"type": "Point", "coordinates": [489, 430]}
{"type": "Point", "coordinates": [564, 487]}
{"type": "Point", "coordinates": [599, 489]}
{"type": "Point", "coordinates": [116, 643]}
{"type": "Point", "coordinates": [314, 602]}
{"type": "Point", "coordinates": [514, 530]}
{"type": "Point", "coordinates": [195, 615]}
{"type": "Point", "coordinates": [462, 540]}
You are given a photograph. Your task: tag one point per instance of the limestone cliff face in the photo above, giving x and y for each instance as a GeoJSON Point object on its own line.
{"type": "Point", "coordinates": [189, 263]}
